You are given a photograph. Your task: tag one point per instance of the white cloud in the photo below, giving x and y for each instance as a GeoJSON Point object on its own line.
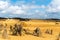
{"type": "Point", "coordinates": [30, 7]}
{"type": "Point", "coordinates": [6, 7]}
{"type": "Point", "coordinates": [15, 10]}
{"type": "Point", "coordinates": [50, 9]}
{"type": "Point", "coordinates": [3, 5]}
{"type": "Point", "coordinates": [43, 6]}
{"type": "Point", "coordinates": [37, 11]}
{"type": "Point", "coordinates": [55, 3]}
{"type": "Point", "coordinates": [3, 11]}
{"type": "Point", "coordinates": [54, 6]}
{"type": "Point", "coordinates": [23, 9]}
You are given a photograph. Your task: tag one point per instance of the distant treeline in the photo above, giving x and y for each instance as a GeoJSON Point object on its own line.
{"type": "Point", "coordinates": [21, 19]}
{"type": "Point", "coordinates": [27, 19]}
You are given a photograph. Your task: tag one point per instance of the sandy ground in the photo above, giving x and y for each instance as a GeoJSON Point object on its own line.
{"type": "Point", "coordinates": [31, 25]}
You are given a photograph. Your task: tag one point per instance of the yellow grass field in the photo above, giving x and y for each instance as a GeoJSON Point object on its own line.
{"type": "Point", "coordinates": [31, 25]}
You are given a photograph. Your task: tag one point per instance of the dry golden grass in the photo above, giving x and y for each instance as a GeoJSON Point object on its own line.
{"type": "Point", "coordinates": [31, 25]}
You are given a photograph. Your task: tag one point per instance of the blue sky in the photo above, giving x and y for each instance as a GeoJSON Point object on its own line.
{"type": "Point", "coordinates": [37, 9]}
{"type": "Point", "coordinates": [37, 2]}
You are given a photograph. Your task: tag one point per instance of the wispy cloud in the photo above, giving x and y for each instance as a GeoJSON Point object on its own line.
{"type": "Point", "coordinates": [30, 9]}
{"type": "Point", "coordinates": [54, 6]}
